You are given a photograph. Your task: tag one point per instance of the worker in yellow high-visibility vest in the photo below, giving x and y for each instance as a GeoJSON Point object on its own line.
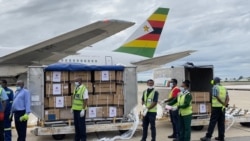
{"type": "Point", "coordinates": [184, 104]}
{"type": "Point", "coordinates": [174, 115]}
{"type": "Point", "coordinates": [149, 102]}
{"type": "Point", "coordinates": [220, 100]}
{"type": "Point", "coordinates": [79, 106]}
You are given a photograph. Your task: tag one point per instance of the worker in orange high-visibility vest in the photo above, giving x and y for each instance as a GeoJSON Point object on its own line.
{"type": "Point", "coordinates": [174, 116]}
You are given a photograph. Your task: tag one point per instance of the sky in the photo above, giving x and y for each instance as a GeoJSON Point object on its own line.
{"type": "Point", "coordinates": [218, 30]}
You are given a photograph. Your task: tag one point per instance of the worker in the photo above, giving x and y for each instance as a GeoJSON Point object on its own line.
{"type": "Point", "coordinates": [7, 120]}
{"type": "Point", "coordinates": [184, 104]}
{"type": "Point", "coordinates": [21, 110]}
{"type": "Point", "coordinates": [149, 102]}
{"type": "Point", "coordinates": [174, 115]}
{"type": "Point", "coordinates": [79, 106]}
{"type": "Point", "coordinates": [220, 99]}
{"type": "Point", "coordinates": [3, 99]}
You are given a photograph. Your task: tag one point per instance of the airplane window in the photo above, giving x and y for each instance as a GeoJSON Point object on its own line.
{"type": "Point", "coordinates": [81, 60]}
{"type": "Point", "coordinates": [65, 60]}
{"type": "Point", "coordinates": [69, 60]}
{"type": "Point", "coordinates": [92, 61]}
{"type": "Point", "coordinates": [96, 61]}
{"type": "Point", "coordinates": [84, 60]}
{"type": "Point", "coordinates": [88, 60]}
{"type": "Point", "coordinates": [73, 60]}
{"type": "Point", "coordinates": [77, 60]}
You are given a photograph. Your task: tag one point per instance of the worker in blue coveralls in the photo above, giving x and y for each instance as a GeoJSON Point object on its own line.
{"type": "Point", "coordinates": [7, 120]}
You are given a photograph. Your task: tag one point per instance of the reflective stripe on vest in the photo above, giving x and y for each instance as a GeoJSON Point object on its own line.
{"type": "Point", "coordinates": [171, 94]}
{"type": "Point", "coordinates": [222, 95]}
{"type": "Point", "coordinates": [149, 100]}
{"type": "Point", "coordinates": [78, 100]}
{"type": "Point", "coordinates": [184, 111]}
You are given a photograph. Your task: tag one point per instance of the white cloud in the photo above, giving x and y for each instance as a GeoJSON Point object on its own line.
{"type": "Point", "coordinates": [219, 30]}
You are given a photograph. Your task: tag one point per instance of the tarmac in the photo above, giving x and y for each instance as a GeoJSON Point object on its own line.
{"type": "Point", "coordinates": [239, 98]}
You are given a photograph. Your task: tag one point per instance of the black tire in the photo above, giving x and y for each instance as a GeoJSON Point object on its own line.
{"type": "Point", "coordinates": [245, 124]}
{"type": "Point", "coordinates": [122, 131]}
{"type": "Point", "coordinates": [58, 136]}
{"type": "Point", "coordinates": [197, 128]}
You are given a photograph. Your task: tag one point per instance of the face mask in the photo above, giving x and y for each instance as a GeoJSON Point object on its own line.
{"type": "Point", "coordinates": [77, 83]}
{"type": "Point", "coordinates": [182, 89]}
{"type": "Point", "coordinates": [171, 85]}
{"type": "Point", "coordinates": [18, 88]}
{"type": "Point", "coordinates": [150, 87]}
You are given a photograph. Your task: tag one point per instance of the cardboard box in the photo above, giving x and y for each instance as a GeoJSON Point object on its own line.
{"type": "Point", "coordinates": [66, 114]}
{"type": "Point", "coordinates": [102, 99]}
{"type": "Point", "coordinates": [201, 108]}
{"type": "Point", "coordinates": [118, 99]}
{"type": "Point", "coordinates": [52, 114]}
{"type": "Point", "coordinates": [94, 112]}
{"type": "Point", "coordinates": [104, 75]}
{"type": "Point", "coordinates": [104, 88]}
{"type": "Point", "coordinates": [85, 75]}
{"type": "Point", "coordinates": [200, 97]}
{"type": "Point", "coordinates": [119, 76]}
{"type": "Point", "coordinates": [58, 102]}
{"type": "Point", "coordinates": [57, 89]}
{"type": "Point", "coordinates": [89, 86]}
{"type": "Point", "coordinates": [57, 76]}
{"type": "Point", "coordinates": [119, 89]}
{"type": "Point", "coordinates": [90, 100]}
{"type": "Point", "coordinates": [112, 111]}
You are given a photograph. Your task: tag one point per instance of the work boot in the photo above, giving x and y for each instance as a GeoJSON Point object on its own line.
{"type": "Point", "coordinates": [171, 136]}
{"type": "Point", "coordinates": [219, 139]}
{"type": "Point", "coordinates": [205, 139]}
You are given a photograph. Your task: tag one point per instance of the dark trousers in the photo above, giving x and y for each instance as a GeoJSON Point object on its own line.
{"type": "Point", "coordinates": [149, 119]}
{"type": "Point", "coordinates": [21, 126]}
{"type": "Point", "coordinates": [80, 127]}
{"type": "Point", "coordinates": [217, 116]}
{"type": "Point", "coordinates": [174, 117]}
{"type": "Point", "coordinates": [7, 127]}
{"type": "Point", "coordinates": [185, 128]}
{"type": "Point", "coordinates": [1, 130]}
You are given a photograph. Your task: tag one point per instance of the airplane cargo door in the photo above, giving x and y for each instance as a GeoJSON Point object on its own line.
{"type": "Point", "coordinates": [108, 60]}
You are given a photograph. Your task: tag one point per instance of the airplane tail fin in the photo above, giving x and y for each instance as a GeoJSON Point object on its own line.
{"type": "Point", "coordinates": [144, 40]}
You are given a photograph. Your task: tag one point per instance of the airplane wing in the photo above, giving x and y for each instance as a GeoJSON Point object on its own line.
{"type": "Point", "coordinates": [155, 62]}
{"type": "Point", "coordinates": [54, 49]}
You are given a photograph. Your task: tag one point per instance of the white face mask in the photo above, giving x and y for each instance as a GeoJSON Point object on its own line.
{"type": "Point", "coordinates": [150, 87]}
{"type": "Point", "coordinates": [77, 83]}
{"type": "Point", "coordinates": [182, 89]}
{"type": "Point", "coordinates": [171, 85]}
{"type": "Point", "coordinates": [18, 88]}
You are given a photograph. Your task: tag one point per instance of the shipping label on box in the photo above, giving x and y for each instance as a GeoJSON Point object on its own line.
{"type": "Point", "coordinates": [56, 76]}
{"type": "Point", "coordinates": [112, 112]}
{"type": "Point", "coordinates": [59, 102]}
{"type": "Point", "coordinates": [201, 108]}
{"type": "Point", "coordinates": [56, 89]}
{"type": "Point", "coordinates": [104, 75]}
{"type": "Point", "coordinates": [94, 112]}
{"type": "Point", "coordinates": [105, 87]}
{"type": "Point", "coordinates": [85, 75]}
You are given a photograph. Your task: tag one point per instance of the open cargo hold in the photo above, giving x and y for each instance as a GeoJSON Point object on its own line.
{"type": "Point", "coordinates": [112, 96]}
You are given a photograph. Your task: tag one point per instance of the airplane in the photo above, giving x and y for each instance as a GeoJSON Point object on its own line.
{"type": "Point", "coordinates": [138, 50]}
{"type": "Point", "coordinates": [141, 45]}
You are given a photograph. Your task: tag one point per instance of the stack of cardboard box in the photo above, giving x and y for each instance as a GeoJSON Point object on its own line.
{"type": "Point", "coordinates": [57, 96]}
{"type": "Point", "coordinates": [201, 103]}
{"type": "Point", "coordinates": [105, 89]}
{"type": "Point", "coordinates": [107, 100]}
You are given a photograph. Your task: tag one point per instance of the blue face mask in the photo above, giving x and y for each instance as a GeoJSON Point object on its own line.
{"type": "Point", "coordinates": [18, 88]}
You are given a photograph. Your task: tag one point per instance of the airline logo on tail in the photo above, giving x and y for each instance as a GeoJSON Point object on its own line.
{"type": "Point", "coordinates": [145, 39]}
